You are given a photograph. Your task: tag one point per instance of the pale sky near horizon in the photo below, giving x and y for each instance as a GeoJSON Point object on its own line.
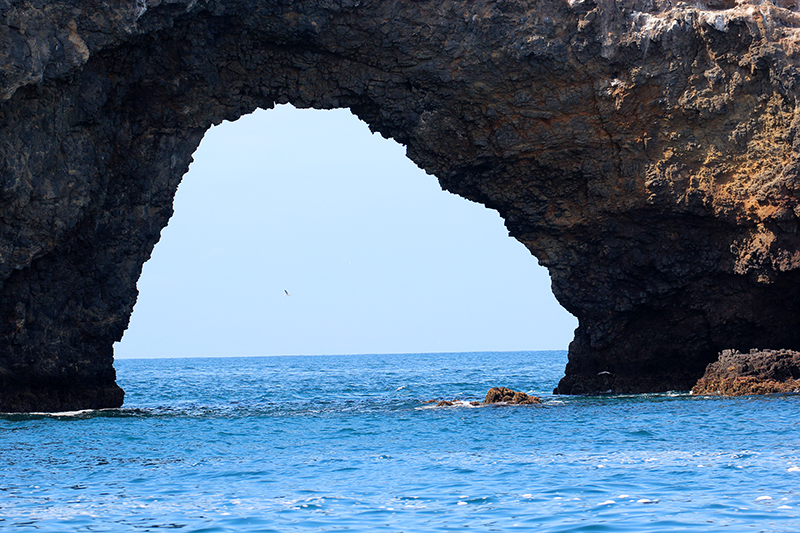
{"type": "Point", "coordinates": [375, 256]}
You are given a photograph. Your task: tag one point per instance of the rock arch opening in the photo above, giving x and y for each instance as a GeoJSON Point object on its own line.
{"type": "Point", "coordinates": [376, 257]}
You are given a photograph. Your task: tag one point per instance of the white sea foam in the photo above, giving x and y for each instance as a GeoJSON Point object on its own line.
{"type": "Point", "coordinates": [763, 498]}
{"type": "Point", "coordinates": [64, 413]}
{"type": "Point", "coordinates": [794, 469]}
{"type": "Point", "coordinates": [608, 502]}
{"type": "Point", "coordinates": [646, 501]}
{"type": "Point", "coordinates": [456, 403]}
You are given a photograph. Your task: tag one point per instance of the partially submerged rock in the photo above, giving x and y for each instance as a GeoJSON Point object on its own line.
{"type": "Point", "coordinates": [757, 372]}
{"type": "Point", "coordinates": [451, 403]}
{"type": "Point", "coordinates": [496, 395]}
{"type": "Point", "coordinates": [504, 395]}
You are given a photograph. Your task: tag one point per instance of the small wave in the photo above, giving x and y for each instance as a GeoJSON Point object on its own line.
{"type": "Point", "coordinates": [81, 412]}
{"type": "Point", "coordinates": [59, 415]}
{"type": "Point", "coordinates": [445, 404]}
{"type": "Point", "coordinates": [45, 413]}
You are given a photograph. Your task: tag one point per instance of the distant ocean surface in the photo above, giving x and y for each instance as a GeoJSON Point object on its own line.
{"type": "Point", "coordinates": [345, 443]}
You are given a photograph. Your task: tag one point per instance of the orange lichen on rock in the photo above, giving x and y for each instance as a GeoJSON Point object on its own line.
{"type": "Point", "coordinates": [744, 386]}
{"type": "Point", "coordinates": [758, 372]}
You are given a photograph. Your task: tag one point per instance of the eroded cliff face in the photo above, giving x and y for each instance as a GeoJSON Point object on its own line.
{"type": "Point", "coordinates": [644, 151]}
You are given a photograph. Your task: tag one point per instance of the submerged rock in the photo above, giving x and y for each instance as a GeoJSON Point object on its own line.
{"type": "Point", "coordinates": [757, 372]}
{"type": "Point", "coordinates": [449, 403]}
{"type": "Point", "coordinates": [504, 395]}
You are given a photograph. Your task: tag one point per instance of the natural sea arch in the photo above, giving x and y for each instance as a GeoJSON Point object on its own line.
{"type": "Point", "coordinates": [646, 153]}
{"type": "Point", "coordinates": [377, 258]}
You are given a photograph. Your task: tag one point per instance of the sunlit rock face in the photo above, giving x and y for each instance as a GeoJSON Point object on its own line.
{"type": "Point", "coordinates": [644, 151]}
{"type": "Point", "coordinates": [757, 372]}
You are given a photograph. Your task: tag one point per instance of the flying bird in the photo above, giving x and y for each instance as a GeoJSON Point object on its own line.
{"type": "Point", "coordinates": [287, 292]}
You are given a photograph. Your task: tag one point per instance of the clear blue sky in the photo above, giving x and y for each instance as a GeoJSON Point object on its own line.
{"type": "Point", "coordinates": [376, 257]}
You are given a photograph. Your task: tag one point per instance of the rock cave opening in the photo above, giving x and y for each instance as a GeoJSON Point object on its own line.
{"type": "Point", "coordinates": [376, 257]}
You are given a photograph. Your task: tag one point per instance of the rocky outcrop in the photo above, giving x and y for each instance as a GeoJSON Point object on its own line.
{"type": "Point", "coordinates": [757, 372]}
{"type": "Point", "coordinates": [508, 396]}
{"type": "Point", "coordinates": [495, 396]}
{"type": "Point", "coordinates": [645, 151]}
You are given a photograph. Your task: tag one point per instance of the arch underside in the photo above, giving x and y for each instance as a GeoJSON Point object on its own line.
{"type": "Point", "coordinates": [656, 183]}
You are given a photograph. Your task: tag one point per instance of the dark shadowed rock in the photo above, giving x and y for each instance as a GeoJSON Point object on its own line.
{"type": "Point", "coordinates": [504, 395]}
{"type": "Point", "coordinates": [757, 372]}
{"type": "Point", "coordinates": [645, 151]}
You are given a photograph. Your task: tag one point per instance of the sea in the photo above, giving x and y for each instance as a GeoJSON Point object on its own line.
{"type": "Point", "coordinates": [351, 443]}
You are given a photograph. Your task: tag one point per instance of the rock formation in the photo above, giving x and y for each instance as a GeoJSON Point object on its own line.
{"type": "Point", "coordinates": [757, 372]}
{"type": "Point", "coordinates": [495, 395]}
{"type": "Point", "coordinates": [645, 151]}
{"type": "Point", "coordinates": [504, 395]}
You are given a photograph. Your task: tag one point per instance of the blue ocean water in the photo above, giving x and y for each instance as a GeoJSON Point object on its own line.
{"type": "Point", "coordinates": [346, 443]}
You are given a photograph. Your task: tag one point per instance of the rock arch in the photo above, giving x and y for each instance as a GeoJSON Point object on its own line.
{"type": "Point", "coordinates": [646, 154]}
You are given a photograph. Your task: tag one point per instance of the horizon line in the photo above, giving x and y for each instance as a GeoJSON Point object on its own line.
{"type": "Point", "coordinates": [333, 355]}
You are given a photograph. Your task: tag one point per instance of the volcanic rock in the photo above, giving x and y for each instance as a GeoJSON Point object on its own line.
{"type": "Point", "coordinates": [645, 151]}
{"type": "Point", "coordinates": [504, 395]}
{"type": "Point", "coordinates": [757, 372]}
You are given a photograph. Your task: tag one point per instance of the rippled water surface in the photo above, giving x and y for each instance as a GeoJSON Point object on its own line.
{"type": "Point", "coordinates": [346, 443]}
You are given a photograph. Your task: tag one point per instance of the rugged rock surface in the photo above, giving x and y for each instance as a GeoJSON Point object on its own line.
{"type": "Point", "coordinates": [495, 395]}
{"type": "Point", "coordinates": [645, 151]}
{"type": "Point", "coordinates": [757, 372]}
{"type": "Point", "coordinates": [504, 395]}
